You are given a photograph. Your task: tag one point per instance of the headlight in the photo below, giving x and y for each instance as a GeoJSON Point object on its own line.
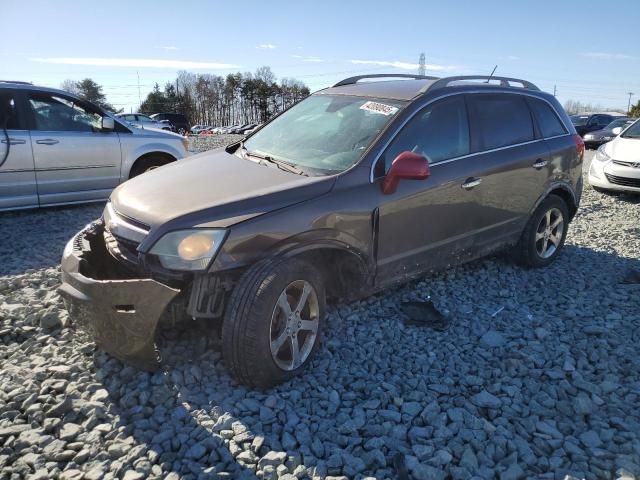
{"type": "Point", "coordinates": [588, 136]}
{"type": "Point", "coordinates": [188, 249]}
{"type": "Point", "coordinates": [606, 138]}
{"type": "Point", "coordinates": [601, 156]}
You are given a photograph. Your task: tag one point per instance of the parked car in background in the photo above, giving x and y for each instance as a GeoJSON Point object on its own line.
{"type": "Point", "coordinates": [353, 189]}
{"type": "Point", "coordinates": [590, 122]}
{"type": "Point", "coordinates": [62, 149]}
{"type": "Point", "coordinates": [141, 120]}
{"type": "Point", "coordinates": [178, 120]}
{"type": "Point", "coordinates": [251, 130]}
{"type": "Point", "coordinates": [598, 137]}
{"type": "Point", "coordinates": [197, 129]}
{"type": "Point", "coordinates": [616, 164]}
{"type": "Point", "coordinates": [239, 128]}
{"type": "Point", "coordinates": [246, 128]}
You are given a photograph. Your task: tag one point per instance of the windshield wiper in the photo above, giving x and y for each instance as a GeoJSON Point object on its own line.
{"type": "Point", "coordinates": [286, 166]}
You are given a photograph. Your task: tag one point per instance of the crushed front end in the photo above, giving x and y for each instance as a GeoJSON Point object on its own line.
{"type": "Point", "coordinates": [120, 314]}
{"type": "Point", "coordinates": [120, 300]}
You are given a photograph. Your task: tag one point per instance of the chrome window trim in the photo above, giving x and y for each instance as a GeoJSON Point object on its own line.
{"type": "Point", "coordinates": [441, 162]}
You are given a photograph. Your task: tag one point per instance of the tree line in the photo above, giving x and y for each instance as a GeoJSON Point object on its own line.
{"type": "Point", "coordinates": [237, 98]}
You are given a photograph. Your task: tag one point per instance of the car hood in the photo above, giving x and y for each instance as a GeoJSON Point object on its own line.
{"type": "Point", "coordinates": [213, 189]}
{"type": "Point", "coordinates": [625, 149]}
{"type": "Point", "coordinates": [154, 132]}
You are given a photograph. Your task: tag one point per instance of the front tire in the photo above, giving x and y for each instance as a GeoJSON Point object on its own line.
{"type": "Point", "coordinates": [273, 322]}
{"type": "Point", "coordinates": [148, 163]}
{"type": "Point", "coordinates": [545, 233]}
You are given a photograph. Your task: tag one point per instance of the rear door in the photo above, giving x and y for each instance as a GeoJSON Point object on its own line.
{"type": "Point", "coordinates": [514, 164]}
{"type": "Point", "coordinates": [74, 159]}
{"type": "Point", "coordinates": [17, 175]}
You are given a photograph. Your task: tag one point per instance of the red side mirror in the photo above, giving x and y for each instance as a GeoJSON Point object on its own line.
{"type": "Point", "coordinates": [408, 166]}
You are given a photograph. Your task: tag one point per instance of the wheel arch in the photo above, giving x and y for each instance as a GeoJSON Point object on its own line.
{"type": "Point", "coordinates": [347, 273]}
{"type": "Point", "coordinates": [563, 191]}
{"type": "Point", "coordinates": [148, 155]}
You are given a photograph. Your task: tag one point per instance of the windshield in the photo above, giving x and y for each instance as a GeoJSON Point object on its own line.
{"type": "Point", "coordinates": [325, 133]}
{"type": "Point", "coordinates": [633, 131]}
{"type": "Point", "coordinates": [579, 120]}
{"type": "Point", "coordinates": [617, 123]}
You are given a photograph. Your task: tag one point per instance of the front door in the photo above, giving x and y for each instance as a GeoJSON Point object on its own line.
{"type": "Point", "coordinates": [427, 224]}
{"type": "Point", "coordinates": [17, 176]}
{"type": "Point", "coordinates": [74, 159]}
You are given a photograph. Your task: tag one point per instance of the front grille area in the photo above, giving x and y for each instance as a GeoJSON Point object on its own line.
{"type": "Point", "coordinates": [625, 164]}
{"type": "Point", "coordinates": [121, 249]}
{"type": "Point", "coordinates": [623, 181]}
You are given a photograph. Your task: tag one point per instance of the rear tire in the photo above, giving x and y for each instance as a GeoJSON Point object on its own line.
{"type": "Point", "coordinates": [544, 235]}
{"type": "Point", "coordinates": [148, 163]}
{"type": "Point", "coordinates": [273, 322]}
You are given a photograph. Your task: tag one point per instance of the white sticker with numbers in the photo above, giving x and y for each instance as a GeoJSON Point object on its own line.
{"type": "Point", "coordinates": [381, 108]}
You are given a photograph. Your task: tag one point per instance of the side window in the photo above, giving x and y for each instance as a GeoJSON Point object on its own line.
{"type": "Point", "coordinates": [144, 119]}
{"type": "Point", "coordinates": [548, 122]}
{"type": "Point", "coordinates": [9, 111]}
{"type": "Point", "coordinates": [439, 131]}
{"type": "Point", "coordinates": [129, 118]}
{"type": "Point", "coordinates": [500, 120]}
{"type": "Point", "coordinates": [54, 113]}
{"type": "Point", "coordinates": [605, 120]}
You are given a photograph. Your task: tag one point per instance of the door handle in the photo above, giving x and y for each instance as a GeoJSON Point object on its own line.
{"type": "Point", "coordinates": [471, 182]}
{"type": "Point", "coordinates": [540, 164]}
{"type": "Point", "coordinates": [47, 141]}
{"type": "Point", "coordinates": [14, 141]}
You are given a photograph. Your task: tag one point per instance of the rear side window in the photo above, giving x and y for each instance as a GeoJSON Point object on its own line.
{"type": "Point", "coordinates": [9, 111]}
{"type": "Point", "coordinates": [499, 120]}
{"type": "Point", "coordinates": [548, 122]}
{"type": "Point", "coordinates": [439, 132]}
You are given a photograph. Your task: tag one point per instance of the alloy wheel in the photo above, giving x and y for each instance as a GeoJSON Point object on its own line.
{"type": "Point", "coordinates": [549, 233]}
{"type": "Point", "coordinates": [294, 325]}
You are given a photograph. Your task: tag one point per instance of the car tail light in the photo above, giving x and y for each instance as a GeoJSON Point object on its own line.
{"type": "Point", "coordinates": [580, 145]}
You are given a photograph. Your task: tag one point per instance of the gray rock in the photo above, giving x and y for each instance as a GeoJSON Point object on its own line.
{"type": "Point", "coordinates": [272, 458]}
{"type": "Point", "coordinates": [492, 339]}
{"type": "Point", "coordinates": [486, 400]}
{"type": "Point", "coordinates": [514, 472]}
{"type": "Point", "coordinates": [590, 439]}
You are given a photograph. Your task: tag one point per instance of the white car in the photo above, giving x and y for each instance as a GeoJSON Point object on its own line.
{"type": "Point", "coordinates": [59, 149]}
{"type": "Point", "coordinates": [142, 121]}
{"type": "Point", "coordinates": [616, 164]}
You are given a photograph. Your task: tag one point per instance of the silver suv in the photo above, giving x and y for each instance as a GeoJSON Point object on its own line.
{"type": "Point", "coordinates": [58, 149]}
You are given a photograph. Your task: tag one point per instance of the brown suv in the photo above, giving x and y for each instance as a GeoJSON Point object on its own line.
{"type": "Point", "coordinates": [353, 189]}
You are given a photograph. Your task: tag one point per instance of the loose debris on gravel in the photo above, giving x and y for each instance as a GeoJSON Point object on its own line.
{"type": "Point", "coordinates": [548, 387]}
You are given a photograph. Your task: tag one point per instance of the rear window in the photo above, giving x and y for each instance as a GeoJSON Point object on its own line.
{"type": "Point", "coordinates": [500, 120]}
{"type": "Point", "coordinates": [548, 122]}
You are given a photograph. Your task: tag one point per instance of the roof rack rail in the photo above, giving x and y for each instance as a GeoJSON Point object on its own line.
{"type": "Point", "coordinates": [16, 81]}
{"type": "Point", "coordinates": [352, 80]}
{"type": "Point", "coordinates": [504, 82]}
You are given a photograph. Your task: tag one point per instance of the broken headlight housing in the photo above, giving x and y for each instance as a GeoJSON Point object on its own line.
{"type": "Point", "coordinates": [601, 156]}
{"type": "Point", "coordinates": [190, 250]}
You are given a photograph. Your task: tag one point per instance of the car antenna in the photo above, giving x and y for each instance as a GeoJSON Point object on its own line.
{"type": "Point", "coordinates": [492, 72]}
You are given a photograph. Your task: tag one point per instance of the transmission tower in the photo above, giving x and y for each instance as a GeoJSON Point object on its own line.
{"type": "Point", "coordinates": [422, 69]}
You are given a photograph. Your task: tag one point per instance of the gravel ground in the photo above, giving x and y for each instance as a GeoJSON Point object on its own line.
{"type": "Point", "coordinates": [538, 376]}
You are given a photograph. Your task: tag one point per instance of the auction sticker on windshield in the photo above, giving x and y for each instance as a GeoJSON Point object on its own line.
{"type": "Point", "coordinates": [376, 107]}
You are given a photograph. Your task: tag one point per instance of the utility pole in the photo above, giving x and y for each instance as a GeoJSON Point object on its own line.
{"type": "Point", "coordinates": [422, 70]}
{"type": "Point", "coordinates": [139, 98]}
{"type": "Point", "coordinates": [629, 104]}
{"type": "Point", "coordinates": [554, 90]}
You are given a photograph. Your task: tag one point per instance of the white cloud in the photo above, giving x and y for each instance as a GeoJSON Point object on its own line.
{"type": "Point", "coordinates": [608, 56]}
{"type": "Point", "coordinates": [169, 47]}
{"type": "Point", "coordinates": [308, 59]}
{"type": "Point", "coordinates": [266, 46]}
{"type": "Point", "coordinates": [512, 57]}
{"type": "Point", "coordinates": [403, 65]}
{"type": "Point", "coordinates": [135, 62]}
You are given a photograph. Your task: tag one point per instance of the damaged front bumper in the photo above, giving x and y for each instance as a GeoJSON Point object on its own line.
{"type": "Point", "coordinates": [120, 315]}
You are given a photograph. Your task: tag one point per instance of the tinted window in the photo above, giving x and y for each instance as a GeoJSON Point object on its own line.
{"type": "Point", "coordinates": [8, 111]}
{"type": "Point", "coordinates": [604, 120]}
{"type": "Point", "coordinates": [548, 122]}
{"type": "Point", "coordinates": [54, 113]}
{"type": "Point", "coordinates": [500, 120]}
{"type": "Point", "coordinates": [440, 131]}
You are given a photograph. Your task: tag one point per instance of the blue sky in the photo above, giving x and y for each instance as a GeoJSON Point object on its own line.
{"type": "Point", "coordinates": [588, 50]}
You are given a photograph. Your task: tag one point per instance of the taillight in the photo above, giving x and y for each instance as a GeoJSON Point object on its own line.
{"type": "Point", "coordinates": [580, 145]}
